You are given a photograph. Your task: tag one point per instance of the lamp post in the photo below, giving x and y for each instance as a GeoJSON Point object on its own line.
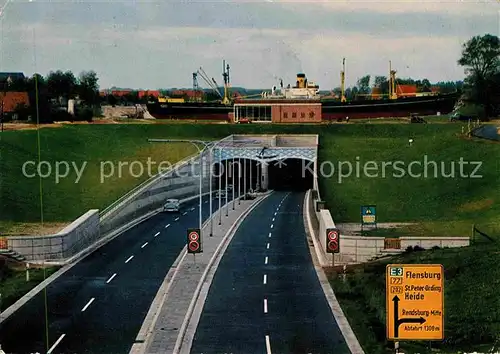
{"type": "Point", "coordinates": [220, 186]}
{"type": "Point", "coordinates": [196, 144]}
{"type": "Point", "coordinates": [226, 170]}
{"type": "Point", "coordinates": [232, 179]}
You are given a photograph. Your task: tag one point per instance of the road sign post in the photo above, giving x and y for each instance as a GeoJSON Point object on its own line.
{"type": "Point", "coordinates": [415, 302]}
{"type": "Point", "coordinates": [194, 243]}
{"type": "Point", "coordinates": [333, 242]}
{"type": "Point", "coordinates": [368, 216]}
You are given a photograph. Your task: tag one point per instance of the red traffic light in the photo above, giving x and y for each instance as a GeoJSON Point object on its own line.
{"type": "Point", "coordinates": [333, 246]}
{"type": "Point", "coordinates": [332, 240]}
{"type": "Point", "coordinates": [333, 235]}
{"type": "Point", "coordinates": [194, 241]}
{"type": "Point", "coordinates": [193, 246]}
{"type": "Point", "coordinates": [193, 236]}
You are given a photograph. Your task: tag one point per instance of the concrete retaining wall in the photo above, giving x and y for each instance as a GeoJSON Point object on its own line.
{"type": "Point", "coordinates": [181, 182]}
{"type": "Point", "coordinates": [79, 234]}
{"type": "Point", "coordinates": [359, 249]}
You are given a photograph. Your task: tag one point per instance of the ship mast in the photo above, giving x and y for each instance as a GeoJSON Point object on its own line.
{"type": "Point", "coordinates": [392, 83]}
{"type": "Point", "coordinates": [342, 81]}
{"type": "Point", "coordinates": [225, 75]}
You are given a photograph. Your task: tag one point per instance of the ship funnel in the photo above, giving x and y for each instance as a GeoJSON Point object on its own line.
{"type": "Point", "coordinates": [301, 80]}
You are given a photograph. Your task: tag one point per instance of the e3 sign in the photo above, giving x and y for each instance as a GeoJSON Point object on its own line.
{"type": "Point", "coordinates": [194, 241]}
{"type": "Point", "coordinates": [332, 240]}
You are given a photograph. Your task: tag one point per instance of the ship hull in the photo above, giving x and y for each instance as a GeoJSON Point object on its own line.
{"type": "Point", "coordinates": [331, 110]}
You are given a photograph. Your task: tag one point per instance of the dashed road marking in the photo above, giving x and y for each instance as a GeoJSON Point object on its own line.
{"type": "Point", "coordinates": [184, 213]}
{"type": "Point", "coordinates": [273, 219]}
{"type": "Point", "coordinates": [265, 305]}
{"type": "Point", "coordinates": [265, 278]}
{"type": "Point", "coordinates": [167, 225]}
{"type": "Point", "coordinates": [269, 234]}
{"type": "Point", "coordinates": [267, 246]}
{"type": "Point", "coordinates": [268, 345]}
{"type": "Point", "coordinates": [193, 208]}
{"type": "Point", "coordinates": [88, 304]}
{"type": "Point", "coordinates": [111, 278]}
{"type": "Point", "coordinates": [156, 234]}
{"type": "Point", "coordinates": [56, 343]}
{"type": "Point", "coordinates": [129, 258]}
{"type": "Point", "coordinates": [275, 213]}
{"type": "Point", "coordinates": [177, 218]}
{"type": "Point", "coordinates": [265, 261]}
{"type": "Point", "coordinates": [144, 245]}
{"type": "Point", "coordinates": [272, 225]}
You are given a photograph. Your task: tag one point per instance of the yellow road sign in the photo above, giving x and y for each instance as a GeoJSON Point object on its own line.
{"type": "Point", "coordinates": [414, 302]}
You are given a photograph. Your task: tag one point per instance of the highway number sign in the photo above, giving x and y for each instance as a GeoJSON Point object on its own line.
{"type": "Point", "coordinates": [194, 241]}
{"type": "Point", "coordinates": [415, 302]}
{"type": "Point", "coordinates": [332, 241]}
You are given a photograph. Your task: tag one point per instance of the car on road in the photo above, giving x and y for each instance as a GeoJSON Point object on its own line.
{"type": "Point", "coordinates": [220, 193]}
{"type": "Point", "coordinates": [172, 205]}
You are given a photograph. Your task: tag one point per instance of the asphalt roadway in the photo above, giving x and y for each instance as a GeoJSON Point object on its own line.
{"type": "Point", "coordinates": [265, 296]}
{"type": "Point", "coordinates": [98, 306]}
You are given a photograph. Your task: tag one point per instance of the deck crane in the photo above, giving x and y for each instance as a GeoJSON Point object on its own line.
{"type": "Point", "coordinates": [205, 78]}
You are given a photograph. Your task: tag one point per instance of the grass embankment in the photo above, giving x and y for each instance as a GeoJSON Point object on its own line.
{"type": "Point", "coordinates": [13, 284]}
{"type": "Point", "coordinates": [471, 301]}
{"type": "Point", "coordinates": [437, 204]}
{"type": "Point", "coordinates": [96, 151]}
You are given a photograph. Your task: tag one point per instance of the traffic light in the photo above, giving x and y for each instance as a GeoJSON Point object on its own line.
{"type": "Point", "coordinates": [194, 241]}
{"type": "Point", "coordinates": [332, 241]}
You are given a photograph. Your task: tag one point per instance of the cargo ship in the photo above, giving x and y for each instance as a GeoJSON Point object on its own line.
{"type": "Point", "coordinates": [395, 104]}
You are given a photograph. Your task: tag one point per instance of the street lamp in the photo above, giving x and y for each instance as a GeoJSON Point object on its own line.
{"type": "Point", "coordinates": [195, 143]}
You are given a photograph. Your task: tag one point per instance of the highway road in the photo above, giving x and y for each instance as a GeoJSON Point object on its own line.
{"type": "Point", "coordinates": [265, 296]}
{"type": "Point", "coordinates": [98, 306]}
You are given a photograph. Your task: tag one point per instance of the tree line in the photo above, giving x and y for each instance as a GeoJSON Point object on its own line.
{"type": "Point", "coordinates": [480, 58]}
{"type": "Point", "coordinates": [52, 93]}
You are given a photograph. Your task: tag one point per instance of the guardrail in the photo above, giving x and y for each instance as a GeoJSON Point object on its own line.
{"type": "Point", "coordinates": [144, 185]}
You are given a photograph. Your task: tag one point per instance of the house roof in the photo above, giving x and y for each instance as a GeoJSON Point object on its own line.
{"type": "Point", "coordinates": [406, 89]}
{"type": "Point", "coordinates": [12, 99]}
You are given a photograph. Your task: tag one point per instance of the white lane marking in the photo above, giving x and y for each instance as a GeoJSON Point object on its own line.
{"type": "Point", "coordinates": [269, 234]}
{"type": "Point", "coordinates": [167, 225]}
{"type": "Point", "coordinates": [265, 262]}
{"type": "Point", "coordinates": [56, 343]}
{"type": "Point", "coordinates": [193, 208]}
{"type": "Point", "coordinates": [265, 278]}
{"type": "Point", "coordinates": [111, 278]}
{"type": "Point", "coordinates": [275, 213]}
{"type": "Point", "coordinates": [267, 246]}
{"type": "Point", "coordinates": [184, 213]}
{"type": "Point", "coordinates": [144, 245]}
{"type": "Point", "coordinates": [272, 226]}
{"type": "Point", "coordinates": [129, 258]}
{"type": "Point", "coordinates": [268, 345]}
{"type": "Point", "coordinates": [176, 219]}
{"type": "Point", "coordinates": [273, 219]}
{"type": "Point", "coordinates": [265, 305]}
{"type": "Point", "coordinates": [206, 201]}
{"type": "Point", "coordinates": [156, 234]}
{"type": "Point", "coordinates": [88, 304]}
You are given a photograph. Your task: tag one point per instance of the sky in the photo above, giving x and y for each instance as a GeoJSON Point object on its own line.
{"type": "Point", "coordinates": [145, 44]}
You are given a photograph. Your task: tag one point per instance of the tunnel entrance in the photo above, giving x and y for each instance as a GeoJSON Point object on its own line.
{"type": "Point", "coordinates": [291, 175]}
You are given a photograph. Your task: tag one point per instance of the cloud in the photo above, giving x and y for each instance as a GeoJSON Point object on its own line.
{"type": "Point", "coordinates": [159, 44]}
